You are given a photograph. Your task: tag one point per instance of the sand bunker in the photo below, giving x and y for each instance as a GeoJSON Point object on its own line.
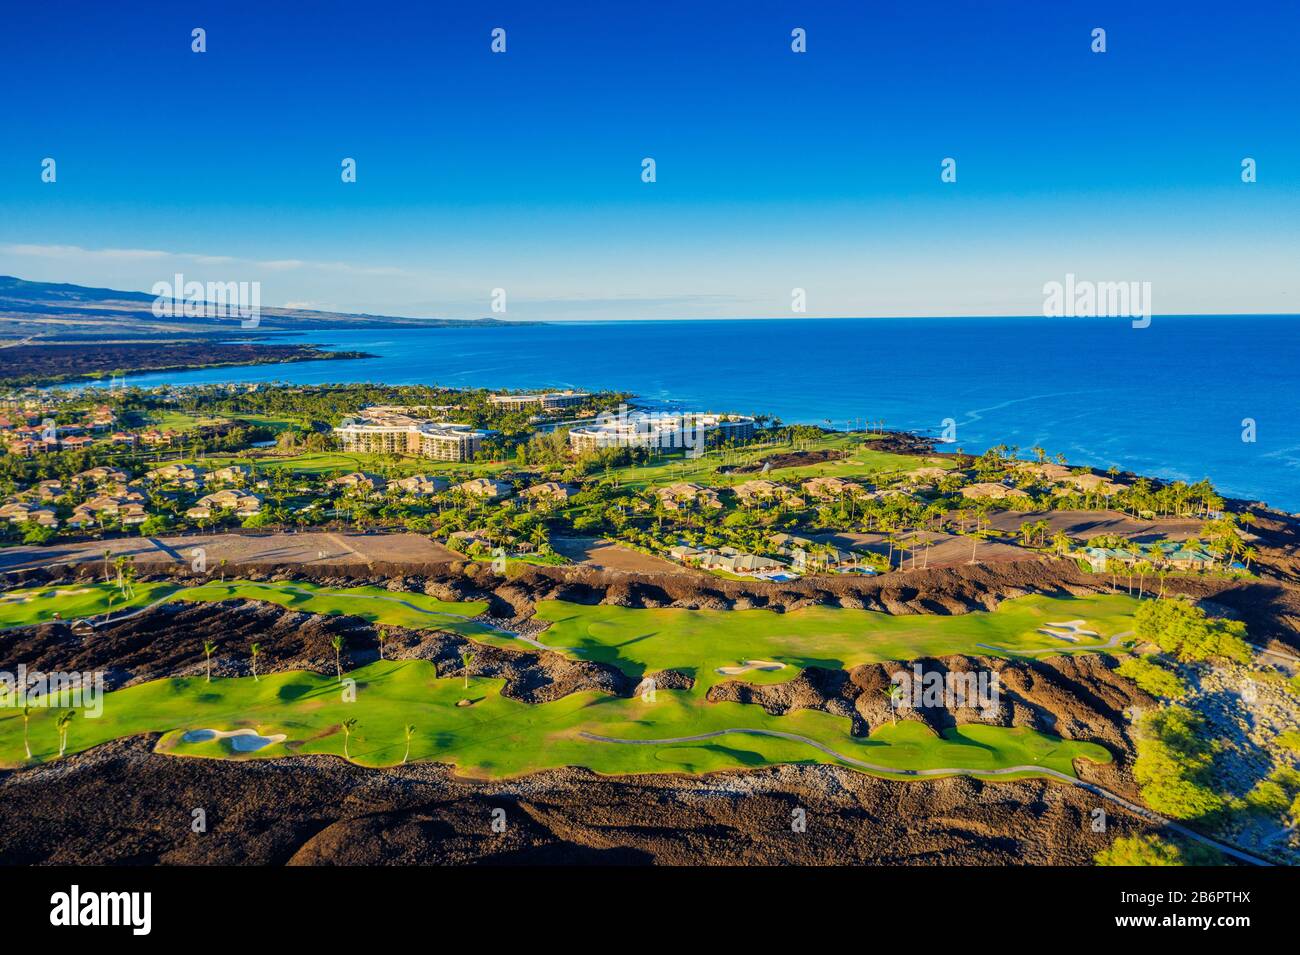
{"type": "Point", "coordinates": [767, 666]}
{"type": "Point", "coordinates": [241, 741]}
{"type": "Point", "coordinates": [1070, 631]}
{"type": "Point", "coordinates": [52, 595]}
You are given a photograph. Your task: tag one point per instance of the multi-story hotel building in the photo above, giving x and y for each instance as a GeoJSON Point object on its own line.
{"type": "Point", "coordinates": [640, 429]}
{"type": "Point", "coordinates": [382, 431]}
{"type": "Point", "coordinates": [547, 401]}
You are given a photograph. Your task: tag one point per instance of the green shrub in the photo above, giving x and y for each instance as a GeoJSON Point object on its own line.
{"type": "Point", "coordinates": [1182, 629]}
{"type": "Point", "coordinates": [1173, 761]}
{"type": "Point", "coordinates": [1152, 677]}
{"type": "Point", "coordinates": [1149, 849]}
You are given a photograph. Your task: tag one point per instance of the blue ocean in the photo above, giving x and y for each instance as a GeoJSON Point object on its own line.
{"type": "Point", "coordinates": [1174, 400]}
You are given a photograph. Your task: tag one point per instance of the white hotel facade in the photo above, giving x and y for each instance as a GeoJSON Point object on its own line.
{"type": "Point", "coordinates": [386, 432]}
{"type": "Point", "coordinates": [660, 430]}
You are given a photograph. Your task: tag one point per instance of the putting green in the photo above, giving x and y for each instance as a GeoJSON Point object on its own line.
{"type": "Point", "coordinates": [497, 737]}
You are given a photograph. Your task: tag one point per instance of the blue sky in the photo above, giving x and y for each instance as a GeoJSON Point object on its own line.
{"type": "Point", "coordinates": [775, 170]}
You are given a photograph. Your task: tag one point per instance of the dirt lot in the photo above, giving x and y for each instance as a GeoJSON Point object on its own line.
{"type": "Point", "coordinates": [1085, 524]}
{"type": "Point", "coordinates": [946, 550]}
{"type": "Point", "coordinates": [313, 547]}
{"type": "Point", "coordinates": [608, 555]}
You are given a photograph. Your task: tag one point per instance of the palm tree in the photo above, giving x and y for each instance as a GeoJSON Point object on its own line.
{"type": "Point", "coordinates": [895, 694]}
{"type": "Point", "coordinates": [1143, 568]}
{"type": "Point", "coordinates": [1114, 567]}
{"type": "Point", "coordinates": [64, 719]}
{"type": "Point", "coordinates": [255, 649]}
{"type": "Point", "coordinates": [348, 726]}
{"type": "Point", "coordinates": [27, 715]}
{"type": "Point", "coordinates": [108, 554]}
{"type": "Point", "coordinates": [336, 642]}
{"type": "Point", "coordinates": [208, 647]}
{"type": "Point", "coordinates": [466, 659]}
{"type": "Point", "coordinates": [410, 731]}
{"type": "Point", "coordinates": [382, 636]}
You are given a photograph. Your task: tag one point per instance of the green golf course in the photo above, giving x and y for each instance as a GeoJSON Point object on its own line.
{"type": "Point", "coordinates": [493, 736]}
{"type": "Point", "coordinates": [498, 737]}
{"type": "Point", "coordinates": [701, 642]}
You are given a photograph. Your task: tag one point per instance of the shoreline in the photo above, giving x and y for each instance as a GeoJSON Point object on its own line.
{"type": "Point", "coordinates": [250, 355]}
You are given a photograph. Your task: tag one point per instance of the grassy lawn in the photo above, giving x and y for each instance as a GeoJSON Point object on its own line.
{"type": "Point", "coordinates": [497, 737]}
{"type": "Point", "coordinates": [862, 462]}
{"type": "Point", "coordinates": [700, 641]}
{"type": "Point", "coordinates": [40, 604]}
{"type": "Point", "coordinates": [180, 421]}
{"type": "Point", "coordinates": [276, 423]}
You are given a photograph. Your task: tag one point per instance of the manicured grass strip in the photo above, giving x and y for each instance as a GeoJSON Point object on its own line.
{"type": "Point", "coordinates": [414, 611]}
{"type": "Point", "coordinates": [862, 462]}
{"type": "Point", "coordinates": [34, 605]}
{"type": "Point", "coordinates": [497, 737]}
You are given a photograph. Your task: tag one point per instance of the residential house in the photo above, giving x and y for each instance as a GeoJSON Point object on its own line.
{"type": "Point", "coordinates": [552, 492]}
{"type": "Point", "coordinates": [357, 479]}
{"type": "Point", "coordinates": [684, 493]}
{"type": "Point", "coordinates": [989, 491]}
{"type": "Point", "coordinates": [419, 485]}
{"type": "Point", "coordinates": [186, 475]}
{"type": "Point", "coordinates": [232, 474]}
{"type": "Point", "coordinates": [241, 503]}
{"type": "Point", "coordinates": [830, 488]}
{"type": "Point", "coordinates": [100, 475]}
{"type": "Point", "coordinates": [486, 488]}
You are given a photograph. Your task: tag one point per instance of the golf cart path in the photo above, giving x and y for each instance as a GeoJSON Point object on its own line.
{"type": "Point", "coordinates": [921, 773]}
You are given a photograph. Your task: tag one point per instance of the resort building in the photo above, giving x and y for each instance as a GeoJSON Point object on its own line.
{"type": "Point", "coordinates": [547, 401]}
{"type": "Point", "coordinates": [639, 429]}
{"type": "Point", "coordinates": [388, 431]}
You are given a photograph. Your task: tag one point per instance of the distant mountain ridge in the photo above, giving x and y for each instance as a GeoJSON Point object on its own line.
{"type": "Point", "coordinates": [49, 311]}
